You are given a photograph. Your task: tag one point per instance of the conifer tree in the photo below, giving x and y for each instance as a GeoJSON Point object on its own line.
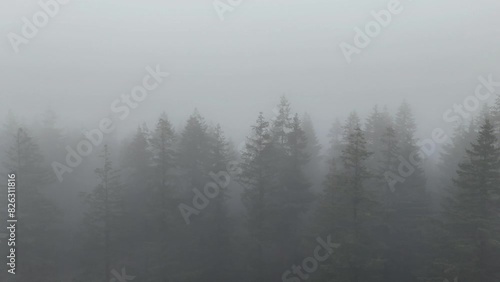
{"type": "Point", "coordinates": [194, 151]}
{"type": "Point", "coordinates": [163, 197]}
{"type": "Point", "coordinates": [282, 122]}
{"type": "Point", "coordinates": [409, 211]}
{"type": "Point", "coordinates": [375, 130]}
{"type": "Point", "coordinates": [335, 135]}
{"type": "Point", "coordinates": [389, 151]}
{"type": "Point", "coordinates": [474, 208]}
{"type": "Point", "coordinates": [353, 210]}
{"type": "Point", "coordinates": [260, 180]}
{"type": "Point", "coordinates": [453, 153]}
{"type": "Point", "coordinates": [293, 197]}
{"type": "Point", "coordinates": [104, 220]}
{"type": "Point", "coordinates": [296, 196]}
{"type": "Point", "coordinates": [217, 225]}
{"type": "Point", "coordinates": [36, 229]}
{"type": "Point", "coordinates": [162, 144]}
{"type": "Point", "coordinates": [495, 116]}
{"type": "Point", "coordinates": [315, 166]}
{"type": "Point", "coordinates": [139, 194]}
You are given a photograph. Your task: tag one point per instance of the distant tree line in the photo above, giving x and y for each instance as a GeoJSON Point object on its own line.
{"type": "Point", "coordinates": [121, 209]}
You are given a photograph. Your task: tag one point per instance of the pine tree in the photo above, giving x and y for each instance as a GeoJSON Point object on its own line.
{"type": "Point", "coordinates": [495, 116]}
{"type": "Point", "coordinates": [353, 210]}
{"type": "Point", "coordinates": [166, 224]}
{"type": "Point", "coordinates": [220, 149]}
{"type": "Point", "coordinates": [405, 127]}
{"type": "Point", "coordinates": [142, 215]}
{"type": "Point", "coordinates": [356, 172]}
{"type": "Point", "coordinates": [200, 152]}
{"type": "Point", "coordinates": [259, 177]}
{"type": "Point", "coordinates": [315, 167]}
{"type": "Point", "coordinates": [387, 164]}
{"type": "Point", "coordinates": [195, 151]}
{"type": "Point", "coordinates": [335, 135]}
{"type": "Point", "coordinates": [474, 208]}
{"type": "Point", "coordinates": [389, 151]}
{"type": "Point", "coordinates": [138, 155]}
{"type": "Point", "coordinates": [382, 142]}
{"type": "Point", "coordinates": [216, 225]}
{"type": "Point", "coordinates": [37, 216]}
{"type": "Point", "coordinates": [281, 125]}
{"type": "Point", "coordinates": [162, 144]}
{"type": "Point", "coordinates": [350, 126]}
{"type": "Point", "coordinates": [298, 156]}
{"type": "Point", "coordinates": [313, 147]}
{"type": "Point", "coordinates": [376, 130]}
{"type": "Point", "coordinates": [104, 220]}
{"type": "Point", "coordinates": [409, 208]}
{"type": "Point", "coordinates": [453, 153]}
{"type": "Point", "coordinates": [295, 197]}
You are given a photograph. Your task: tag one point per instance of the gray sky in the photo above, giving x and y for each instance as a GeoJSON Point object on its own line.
{"type": "Point", "coordinates": [92, 51]}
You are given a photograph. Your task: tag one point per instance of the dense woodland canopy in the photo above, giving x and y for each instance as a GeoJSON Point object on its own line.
{"type": "Point", "coordinates": [186, 205]}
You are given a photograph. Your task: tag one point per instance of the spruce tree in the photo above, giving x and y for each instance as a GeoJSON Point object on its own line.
{"type": "Point", "coordinates": [335, 135]}
{"type": "Point", "coordinates": [353, 211]}
{"type": "Point", "coordinates": [495, 116]}
{"type": "Point", "coordinates": [293, 196]}
{"type": "Point", "coordinates": [314, 168]}
{"type": "Point", "coordinates": [162, 144]}
{"type": "Point", "coordinates": [282, 122]}
{"type": "Point", "coordinates": [139, 205]}
{"type": "Point", "coordinates": [453, 153]}
{"type": "Point", "coordinates": [409, 210]}
{"type": "Point", "coordinates": [36, 229]}
{"type": "Point", "coordinates": [376, 130]}
{"type": "Point", "coordinates": [217, 225]}
{"type": "Point", "coordinates": [194, 151]}
{"type": "Point", "coordinates": [261, 182]}
{"type": "Point", "coordinates": [104, 221]}
{"type": "Point", "coordinates": [296, 196]}
{"type": "Point", "coordinates": [474, 208]}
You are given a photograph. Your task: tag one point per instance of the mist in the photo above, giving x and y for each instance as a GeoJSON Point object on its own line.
{"type": "Point", "coordinates": [117, 116]}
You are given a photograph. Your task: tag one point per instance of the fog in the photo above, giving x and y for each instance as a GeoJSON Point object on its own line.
{"type": "Point", "coordinates": [92, 51]}
{"type": "Point", "coordinates": [229, 62]}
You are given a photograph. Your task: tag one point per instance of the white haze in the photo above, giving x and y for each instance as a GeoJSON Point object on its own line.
{"type": "Point", "coordinates": [95, 50]}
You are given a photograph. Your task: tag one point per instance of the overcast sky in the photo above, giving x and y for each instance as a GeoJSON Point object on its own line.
{"type": "Point", "coordinates": [92, 51]}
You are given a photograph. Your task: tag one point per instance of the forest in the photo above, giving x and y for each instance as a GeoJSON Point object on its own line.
{"type": "Point", "coordinates": [186, 204]}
